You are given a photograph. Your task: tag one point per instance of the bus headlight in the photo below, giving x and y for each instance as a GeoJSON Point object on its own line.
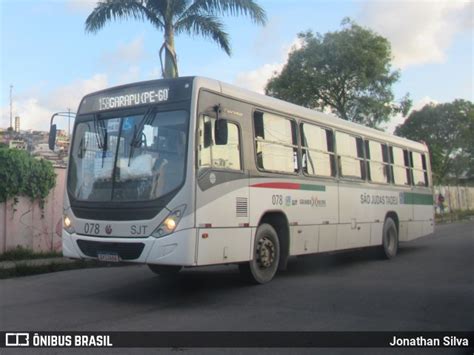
{"type": "Point", "coordinates": [170, 223]}
{"type": "Point", "coordinates": [67, 224]}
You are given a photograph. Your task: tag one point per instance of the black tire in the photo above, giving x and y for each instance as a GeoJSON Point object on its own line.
{"type": "Point", "coordinates": [266, 255]}
{"type": "Point", "coordinates": [165, 270]}
{"type": "Point", "coordinates": [389, 247]}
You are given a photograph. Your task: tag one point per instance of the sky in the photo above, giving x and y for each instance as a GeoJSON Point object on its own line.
{"type": "Point", "coordinates": [52, 62]}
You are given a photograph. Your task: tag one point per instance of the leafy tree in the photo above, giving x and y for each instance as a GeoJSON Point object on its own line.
{"type": "Point", "coordinates": [23, 175]}
{"type": "Point", "coordinates": [448, 130]}
{"type": "Point", "coordinates": [173, 17]}
{"type": "Point", "coordinates": [347, 72]}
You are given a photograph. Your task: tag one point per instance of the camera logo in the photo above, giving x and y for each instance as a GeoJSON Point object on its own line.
{"type": "Point", "coordinates": [17, 339]}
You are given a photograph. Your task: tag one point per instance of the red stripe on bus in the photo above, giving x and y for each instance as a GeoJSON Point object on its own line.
{"type": "Point", "coordinates": [278, 185]}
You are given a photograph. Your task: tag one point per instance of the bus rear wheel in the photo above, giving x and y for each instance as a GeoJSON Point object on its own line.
{"type": "Point", "coordinates": [266, 255]}
{"type": "Point", "coordinates": [389, 247]}
{"type": "Point", "coordinates": [165, 270]}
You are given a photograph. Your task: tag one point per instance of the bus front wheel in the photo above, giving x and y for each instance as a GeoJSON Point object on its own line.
{"type": "Point", "coordinates": [389, 239]}
{"type": "Point", "coordinates": [165, 270]}
{"type": "Point", "coordinates": [266, 255]}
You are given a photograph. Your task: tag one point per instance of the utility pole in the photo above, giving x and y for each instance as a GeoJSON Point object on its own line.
{"type": "Point", "coordinates": [11, 106]}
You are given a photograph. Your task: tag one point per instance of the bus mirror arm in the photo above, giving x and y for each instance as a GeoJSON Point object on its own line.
{"type": "Point", "coordinates": [212, 111]}
{"type": "Point", "coordinates": [218, 110]}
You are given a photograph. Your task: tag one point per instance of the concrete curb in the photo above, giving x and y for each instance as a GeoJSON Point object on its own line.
{"type": "Point", "coordinates": [9, 265]}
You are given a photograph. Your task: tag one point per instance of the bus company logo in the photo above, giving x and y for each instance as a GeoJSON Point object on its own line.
{"type": "Point", "coordinates": [108, 229]}
{"type": "Point", "coordinates": [288, 201]}
{"type": "Point", "coordinates": [17, 339]}
{"type": "Point", "coordinates": [316, 202]}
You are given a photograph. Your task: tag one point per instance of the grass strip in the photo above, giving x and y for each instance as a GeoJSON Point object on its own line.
{"type": "Point", "coordinates": [27, 270]}
{"type": "Point", "coordinates": [456, 215]}
{"type": "Point", "coordinates": [21, 253]}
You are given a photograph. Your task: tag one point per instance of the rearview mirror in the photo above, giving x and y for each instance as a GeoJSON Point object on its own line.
{"type": "Point", "coordinates": [220, 132]}
{"type": "Point", "coordinates": [52, 137]}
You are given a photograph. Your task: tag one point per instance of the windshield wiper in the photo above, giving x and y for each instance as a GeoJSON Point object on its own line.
{"type": "Point", "coordinates": [99, 127]}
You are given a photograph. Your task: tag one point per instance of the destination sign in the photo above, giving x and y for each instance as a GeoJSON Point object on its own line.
{"type": "Point", "coordinates": [129, 96]}
{"type": "Point", "coordinates": [147, 97]}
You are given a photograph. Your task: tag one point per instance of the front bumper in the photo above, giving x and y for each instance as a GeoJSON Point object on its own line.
{"type": "Point", "coordinates": [178, 248]}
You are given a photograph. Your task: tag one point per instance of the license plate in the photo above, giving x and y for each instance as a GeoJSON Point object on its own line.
{"type": "Point", "coordinates": [109, 257]}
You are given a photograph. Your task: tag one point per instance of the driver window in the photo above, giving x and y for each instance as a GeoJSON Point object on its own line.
{"type": "Point", "coordinates": [211, 155]}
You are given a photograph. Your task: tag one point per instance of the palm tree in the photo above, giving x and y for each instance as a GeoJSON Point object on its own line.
{"type": "Point", "coordinates": [193, 17]}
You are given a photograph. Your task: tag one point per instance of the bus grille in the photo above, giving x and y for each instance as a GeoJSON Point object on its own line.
{"type": "Point", "coordinates": [126, 251]}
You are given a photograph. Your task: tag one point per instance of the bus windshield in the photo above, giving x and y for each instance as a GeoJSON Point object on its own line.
{"type": "Point", "coordinates": [128, 158]}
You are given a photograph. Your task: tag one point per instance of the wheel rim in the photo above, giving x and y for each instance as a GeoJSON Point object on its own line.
{"type": "Point", "coordinates": [265, 253]}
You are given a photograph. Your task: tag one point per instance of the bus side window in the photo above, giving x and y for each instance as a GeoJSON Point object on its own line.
{"type": "Point", "coordinates": [294, 141]}
{"type": "Point", "coordinates": [408, 165]}
{"type": "Point", "coordinates": [275, 143]}
{"type": "Point", "coordinates": [420, 175]}
{"type": "Point", "coordinates": [350, 155]}
{"type": "Point", "coordinates": [377, 162]}
{"type": "Point", "coordinates": [360, 155]}
{"type": "Point", "coordinates": [386, 161]}
{"type": "Point", "coordinates": [398, 159]}
{"type": "Point", "coordinates": [332, 156]}
{"type": "Point", "coordinates": [318, 150]}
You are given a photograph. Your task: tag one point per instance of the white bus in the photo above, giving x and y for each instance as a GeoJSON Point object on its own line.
{"type": "Point", "coordinates": [192, 171]}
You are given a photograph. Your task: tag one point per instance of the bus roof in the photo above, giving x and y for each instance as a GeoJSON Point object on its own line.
{"type": "Point", "coordinates": [293, 110]}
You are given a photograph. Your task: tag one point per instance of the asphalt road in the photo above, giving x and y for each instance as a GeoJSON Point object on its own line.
{"type": "Point", "coordinates": [428, 286]}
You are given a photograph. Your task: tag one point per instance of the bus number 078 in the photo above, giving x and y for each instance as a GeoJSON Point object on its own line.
{"type": "Point", "coordinates": [277, 200]}
{"type": "Point", "coordinates": [91, 228]}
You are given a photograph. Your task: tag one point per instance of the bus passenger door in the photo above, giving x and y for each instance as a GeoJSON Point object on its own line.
{"type": "Point", "coordinates": [222, 194]}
